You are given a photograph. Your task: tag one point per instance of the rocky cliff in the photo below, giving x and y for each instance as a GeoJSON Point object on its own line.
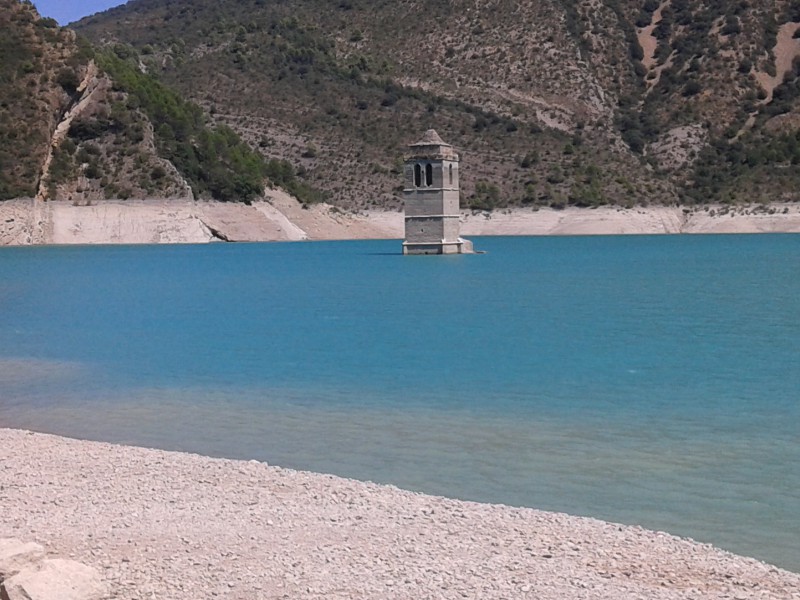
{"type": "Point", "coordinates": [85, 124]}
{"type": "Point", "coordinates": [60, 130]}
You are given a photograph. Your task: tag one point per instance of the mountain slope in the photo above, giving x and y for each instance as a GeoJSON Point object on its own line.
{"type": "Point", "coordinates": [326, 88]}
{"type": "Point", "coordinates": [581, 102]}
{"type": "Point", "coordinates": [53, 96]}
{"type": "Point", "coordinates": [82, 124]}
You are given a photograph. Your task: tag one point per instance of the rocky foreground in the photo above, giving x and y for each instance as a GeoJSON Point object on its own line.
{"type": "Point", "coordinates": [169, 525]}
{"type": "Point", "coordinates": [280, 217]}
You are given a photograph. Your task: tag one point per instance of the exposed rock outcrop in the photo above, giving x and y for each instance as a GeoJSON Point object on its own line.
{"type": "Point", "coordinates": [26, 222]}
{"type": "Point", "coordinates": [16, 555]}
{"type": "Point", "coordinates": [86, 89]}
{"type": "Point", "coordinates": [25, 574]}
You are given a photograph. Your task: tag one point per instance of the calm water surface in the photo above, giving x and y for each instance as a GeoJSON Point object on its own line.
{"type": "Point", "coordinates": [646, 380]}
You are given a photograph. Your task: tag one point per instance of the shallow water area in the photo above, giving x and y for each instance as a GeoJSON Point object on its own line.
{"type": "Point", "coordinates": [647, 380]}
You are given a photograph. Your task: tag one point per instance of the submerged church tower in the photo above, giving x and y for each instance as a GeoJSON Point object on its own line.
{"type": "Point", "coordinates": [431, 197]}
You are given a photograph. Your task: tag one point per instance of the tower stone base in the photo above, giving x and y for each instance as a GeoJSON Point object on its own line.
{"type": "Point", "coordinates": [460, 246]}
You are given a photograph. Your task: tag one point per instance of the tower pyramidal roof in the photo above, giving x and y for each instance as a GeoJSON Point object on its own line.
{"type": "Point", "coordinates": [431, 146]}
{"type": "Point", "coordinates": [430, 138]}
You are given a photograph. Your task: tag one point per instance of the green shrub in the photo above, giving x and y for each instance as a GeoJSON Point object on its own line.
{"type": "Point", "coordinates": [215, 161]}
{"type": "Point", "coordinates": [485, 197]}
{"type": "Point", "coordinates": [68, 79]}
{"type": "Point", "coordinates": [692, 88]}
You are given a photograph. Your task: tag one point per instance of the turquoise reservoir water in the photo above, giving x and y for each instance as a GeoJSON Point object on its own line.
{"type": "Point", "coordinates": [647, 380]}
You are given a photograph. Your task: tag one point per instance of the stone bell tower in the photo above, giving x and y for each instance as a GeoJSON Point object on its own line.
{"type": "Point", "coordinates": [431, 197]}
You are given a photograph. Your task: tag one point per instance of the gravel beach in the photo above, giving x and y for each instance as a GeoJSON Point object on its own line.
{"type": "Point", "coordinates": [179, 526]}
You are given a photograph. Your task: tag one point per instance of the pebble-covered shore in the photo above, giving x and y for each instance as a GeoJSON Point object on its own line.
{"type": "Point", "coordinates": [177, 526]}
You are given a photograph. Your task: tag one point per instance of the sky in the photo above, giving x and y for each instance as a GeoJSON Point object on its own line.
{"type": "Point", "coordinates": [67, 11]}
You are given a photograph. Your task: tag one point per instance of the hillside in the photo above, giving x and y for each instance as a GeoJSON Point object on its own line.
{"type": "Point", "coordinates": [83, 124]}
{"type": "Point", "coordinates": [578, 102]}
{"type": "Point", "coordinates": [53, 97]}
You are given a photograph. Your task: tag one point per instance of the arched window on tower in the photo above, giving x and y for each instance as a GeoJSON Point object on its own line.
{"type": "Point", "coordinates": [417, 175]}
{"type": "Point", "coordinates": [451, 174]}
{"type": "Point", "coordinates": [429, 175]}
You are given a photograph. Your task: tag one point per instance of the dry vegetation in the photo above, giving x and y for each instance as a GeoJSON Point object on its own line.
{"type": "Point", "coordinates": [40, 68]}
{"type": "Point", "coordinates": [550, 102]}
{"type": "Point", "coordinates": [47, 77]}
{"type": "Point", "coordinates": [82, 125]}
{"type": "Point", "coordinates": [337, 93]}
{"type": "Point", "coordinates": [582, 102]}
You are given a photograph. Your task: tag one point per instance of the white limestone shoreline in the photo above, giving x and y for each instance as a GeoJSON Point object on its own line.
{"type": "Point", "coordinates": [281, 218]}
{"type": "Point", "coordinates": [162, 524]}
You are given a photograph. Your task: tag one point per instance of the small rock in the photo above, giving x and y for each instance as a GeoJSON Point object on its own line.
{"type": "Point", "coordinates": [55, 578]}
{"type": "Point", "coordinates": [16, 555]}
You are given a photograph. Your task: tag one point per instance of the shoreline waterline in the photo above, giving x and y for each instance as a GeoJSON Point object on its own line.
{"type": "Point", "coordinates": [186, 526]}
{"type": "Point", "coordinates": [281, 218]}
